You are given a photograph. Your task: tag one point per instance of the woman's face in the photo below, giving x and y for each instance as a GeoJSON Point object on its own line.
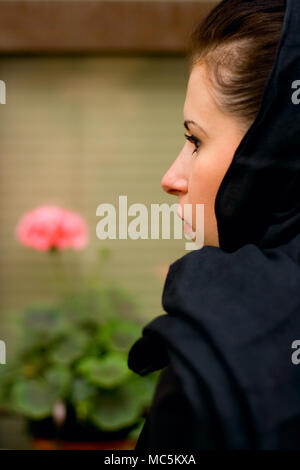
{"type": "Point", "coordinates": [197, 172]}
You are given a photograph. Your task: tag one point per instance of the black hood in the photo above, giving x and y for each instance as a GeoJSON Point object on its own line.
{"type": "Point", "coordinates": [233, 312]}
{"type": "Point", "coordinates": [259, 198]}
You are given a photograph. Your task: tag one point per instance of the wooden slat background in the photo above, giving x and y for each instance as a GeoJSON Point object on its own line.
{"type": "Point", "coordinates": [50, 26]}
{"type": "Point", "coordinates": [78, 132]}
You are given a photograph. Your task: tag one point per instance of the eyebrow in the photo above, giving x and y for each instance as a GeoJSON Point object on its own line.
{"type": "Point", "coordinates": [186, 125]}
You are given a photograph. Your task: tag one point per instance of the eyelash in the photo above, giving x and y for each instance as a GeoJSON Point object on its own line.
{"type": "Point", "coordinates": [194, 140]}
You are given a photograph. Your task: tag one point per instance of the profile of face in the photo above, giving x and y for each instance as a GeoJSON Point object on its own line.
{"type": "Point", "coordinates": [212, 136]}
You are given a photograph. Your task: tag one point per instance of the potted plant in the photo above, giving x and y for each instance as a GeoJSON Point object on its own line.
{"type": "Point", "coordinates": [69, 376]}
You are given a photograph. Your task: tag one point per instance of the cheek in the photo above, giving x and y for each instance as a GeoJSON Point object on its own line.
{"type": "Point", "coordinates": [205, 180]}
{"type": "Point", "coordinates": [207, 172]}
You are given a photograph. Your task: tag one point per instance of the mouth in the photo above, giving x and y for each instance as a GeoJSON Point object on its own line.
{"type": "Point", "coordinates": [187, 228]}
{"type": "Point", "coordinates": [189, 231]}
{"type": "Point", "coordinates": [179, 212]}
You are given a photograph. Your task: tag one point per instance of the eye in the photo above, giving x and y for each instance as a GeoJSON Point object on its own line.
{"type": "Point", "coordinates": [194, 140]}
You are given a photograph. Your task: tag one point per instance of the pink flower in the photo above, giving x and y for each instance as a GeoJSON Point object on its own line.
{"type": "Point", "coordinates": [59, 413]}
{"type": "Point", "coordinates": [49, 227]}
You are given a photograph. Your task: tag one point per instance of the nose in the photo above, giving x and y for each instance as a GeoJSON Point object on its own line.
{"type": "Point", "coordinates": [174, 181]}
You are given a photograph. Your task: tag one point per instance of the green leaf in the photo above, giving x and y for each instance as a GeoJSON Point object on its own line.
{"type": "Point", "coordinates": [125, 305]}
{"type": "Point", "coordinates": [8, 376]}
{"type": "Point", "coordinates": [115, 410]}
{"type": "Point", "coordinates": [134, 434]}
{"type": "Point", "coordinates": [143, 388]}
{"type": "Point", "coordinates": [43, 322]}
{"type": "Point", "coordinates": [33, 399]}
{"type": "Point", "coordinates": [81, 391]}
{"type": "Point", "coordinates": [58, 379]}
{"type": "Point", "coordinates": [70, 348]}
{"type": "Point", "coordinates": [90, 307]}
{"type": "Point", "coordinates": [107, 371]}
{"type": "Point", "coordinates": [119, 335]}
{"type": "Point", "coordinates": [81, 395]}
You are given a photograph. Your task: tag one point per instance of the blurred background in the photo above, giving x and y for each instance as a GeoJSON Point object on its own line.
{"type": "Point", "coordinates": [94, 110]}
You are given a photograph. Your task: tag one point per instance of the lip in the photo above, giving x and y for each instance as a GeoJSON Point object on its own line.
{"type": "Point", "coordinates": [187, 228]}
{"type": "Point", "coordinates": [179, 212]}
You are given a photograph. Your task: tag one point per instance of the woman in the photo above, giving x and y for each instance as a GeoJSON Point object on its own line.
{"type": "Point", "coordinates": [233, 306]}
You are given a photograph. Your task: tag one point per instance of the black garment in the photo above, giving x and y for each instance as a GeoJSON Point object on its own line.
{"type": "Point", "coordinates": [171, 423]}
{"type": "Point", "coordinates": [233, 312]}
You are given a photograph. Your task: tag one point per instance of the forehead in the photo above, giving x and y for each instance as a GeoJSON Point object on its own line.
{"type": "Point", "coordinates": [199, 100]}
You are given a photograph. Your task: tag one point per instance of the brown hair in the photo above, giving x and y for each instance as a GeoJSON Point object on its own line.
{"type": "Point", "coordinates": [237, 42]}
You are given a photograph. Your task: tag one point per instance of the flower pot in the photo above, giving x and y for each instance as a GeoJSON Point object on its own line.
{"type": "Point", "coordinates": [51, 444]}
{"type": "Point", "coordinates": [45, 435]}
